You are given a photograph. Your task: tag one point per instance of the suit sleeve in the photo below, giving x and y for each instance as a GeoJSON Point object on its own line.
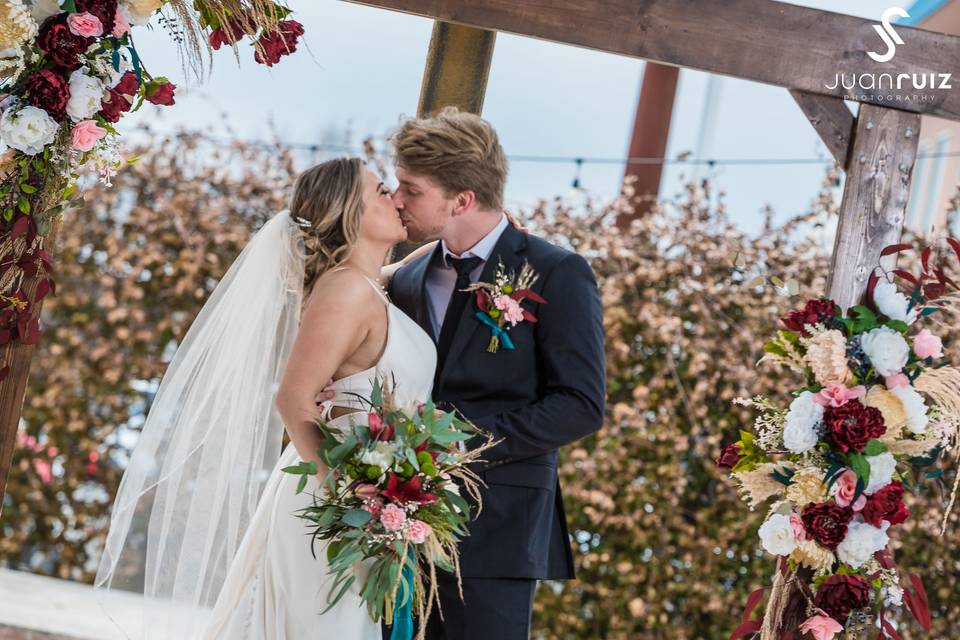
{"type": "Point", "coordinates": [570, 350]}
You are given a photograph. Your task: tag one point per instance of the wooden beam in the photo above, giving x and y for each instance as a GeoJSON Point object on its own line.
{"type": "Point", "coordinates": [651, 132]}
{"type": "Point", "coordinates": [458, 65]}
{"type": "Point", "coordinates": [831, 118]}
{"type": "Point", "coordinates": [18, 356]}
{"type": "Point", "coordinates": [760, 40]}
{"type": "Point", "coordinates": [874, 198]}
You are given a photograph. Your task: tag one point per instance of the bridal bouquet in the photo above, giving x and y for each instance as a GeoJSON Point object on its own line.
{"type": "Point", "coordinates": [878, 404]}
{"type": "Point", "coordinates": [393, 499]}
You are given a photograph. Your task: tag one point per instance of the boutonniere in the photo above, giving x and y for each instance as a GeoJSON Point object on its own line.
{"type": "Point", "coordinates": [498, 303]}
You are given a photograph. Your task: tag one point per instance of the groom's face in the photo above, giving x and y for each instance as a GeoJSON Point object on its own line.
{"type": "Point", "coordinates": [424, 206]}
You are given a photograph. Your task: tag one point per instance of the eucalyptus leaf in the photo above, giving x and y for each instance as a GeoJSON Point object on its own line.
{"type": "Point", "coordinates": [356, 517]}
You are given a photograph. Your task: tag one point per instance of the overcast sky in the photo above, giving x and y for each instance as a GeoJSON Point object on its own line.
{"type": "Point", "coordinates": [361, 72]}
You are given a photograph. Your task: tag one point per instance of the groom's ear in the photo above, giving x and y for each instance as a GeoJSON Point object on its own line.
{"type": "Point", "coordinates": [463, 201]}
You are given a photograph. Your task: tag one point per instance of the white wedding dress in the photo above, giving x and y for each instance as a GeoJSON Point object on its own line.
{"type": "Point", "coordinates": [275, 589]}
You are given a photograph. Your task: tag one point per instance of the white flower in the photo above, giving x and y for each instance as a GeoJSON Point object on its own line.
{"type": "Point", "coordinates": [862, 541]}
{"type": "Point", "coordinates": [800, 424]}
{"type": "Point", "coordinates": [138, 12]}
{"type": "Point", "coordinates": [893, 596]}
{"type": "Point", "coordinates": [381, 456]}
{"type": "Point", "coordinates": [881, 472]}
{"type": "Point", "coordinates": [86, 96]}
{"type": "Point", "coordinates": [887, 350]}
{"type": "Point", "coordinates": [43, 9]}
{"type": "Point", "coordinates": [892, 303]}
{"type": "Point", "coordinates": [776, 535]}
{"type": "Point", "coordinates": [29, 129]}
{"type": "Point", "coordinates": [915, 408]}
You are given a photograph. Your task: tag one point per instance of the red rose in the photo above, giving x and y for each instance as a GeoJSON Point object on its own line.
{"type": "Point", "coordinates": [886, 504]}
{"type": "Point", "coordinates": [851, 426]}
{"type": "Point", "coordinates": [278, 43]}
{"type": "Point", "coordinates": [225, 35]}
{"type": "Point", "coordinates": [826, 522]}
{"type": "Point", "coordinates": [115, 104]}
{"type": "Point", "coordinates": [48, 90]}
{"type": "Point", "coordinates": [161, 93]}
{"type": "Point", "coordinates": [128, 85]}
{"type": "Point", "coordinates": [60, 44]}
{"type": "Point", "coordinates": [818, 310]}
{"type": "Point", "coordinates": [838, 595]}
{"type": "Point", "coordinates": [729, 456]}
{"type": "Point", "coordinates": [105, 10]}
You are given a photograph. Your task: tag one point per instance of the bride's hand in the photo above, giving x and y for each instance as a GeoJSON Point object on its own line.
{"type": "Point", "coordinates": [387, 272]}
{"type": "Point", "coordinates": [326, 394]}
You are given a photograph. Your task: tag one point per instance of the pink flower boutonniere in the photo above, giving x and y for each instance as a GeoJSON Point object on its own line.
{"type": "Point", "coordinates": [498, 303]}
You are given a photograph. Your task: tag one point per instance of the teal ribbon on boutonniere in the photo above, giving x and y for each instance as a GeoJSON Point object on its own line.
{"type": "Point", "coordinates": [498, 332]}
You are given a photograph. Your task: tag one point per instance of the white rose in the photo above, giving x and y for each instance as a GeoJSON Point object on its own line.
{"type": "Point", "coordinates": [776, 535]}
{"type": "Point", "coordinates": [43, 9]}
{"type": "Point", "coordinates": [381, 456]}
{"type": "Point", "coordinates": [29, 129]}
{"type": "Point", "coordinates": [881, 472]}
{"type": "Point", "coordinates": [887, 350]}
{"type": "Point", "coordinates": [86, 96]}
{"type": "Point", "coordinates": [862, 541]}
{"type": "Point", "coordinates": [800, 424]}
{"type": "Point", "coordinates": [915, 408]}
{"type": "Point", "coordinates": [892, 303]}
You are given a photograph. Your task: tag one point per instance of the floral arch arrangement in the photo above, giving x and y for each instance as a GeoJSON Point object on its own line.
{"type": "Point", "coordinates": [69, 71]}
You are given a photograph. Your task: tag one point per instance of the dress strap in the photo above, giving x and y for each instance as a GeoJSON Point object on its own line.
{"type": "Point", "coordinates": [376, 286]}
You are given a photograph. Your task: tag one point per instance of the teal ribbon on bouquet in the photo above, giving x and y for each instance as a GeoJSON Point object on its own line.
{"type": "Point", "coordinates": [497, 331]}
{"type": "Point", "coordinates": [403, 611]}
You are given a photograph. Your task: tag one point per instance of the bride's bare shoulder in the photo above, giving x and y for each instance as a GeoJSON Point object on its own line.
{"type": "Point", "coordinates": [341, 289]}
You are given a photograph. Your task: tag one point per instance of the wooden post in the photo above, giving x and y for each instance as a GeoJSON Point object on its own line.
{"type": "Point", "coordinates": [651, 131]}
{"type": "Point", "coordinates": [458, 65]}
{"type": "Point", "coordinates": [880, 165]}
{"type": "Point", "coordinates": [18, 356]}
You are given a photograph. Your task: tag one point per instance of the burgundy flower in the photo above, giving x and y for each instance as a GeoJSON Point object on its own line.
{"type": "Point", "coordinates": [60, 44]}
{"type": "Point", "coordinates": [886, 504]}
{"type": "Point", "coordinates": [227, 34]}
{"type": "Point", "coordinates": [128, 85]}
{"type": "Point", "coordinates": [379, 429]}
{"type": "Point", "coordinates": [729, 456]}
{"type": "Point", "coordinates": [161, 93]}
{"type": "Point", "coordinates": [105, 10]}
{"type": "Point", "coordinates": [119, 99]}
{"type": "Point", "coordinates": [409, 491]}
{"type": "Point", "coordinates": [49, 90]}
{"type": "Point", "coordinates": [278, 43]}
{"type": "Point", "coordinates": [838, 595]}
{"type": "Point", "coordinates": [851, 426]}
{"type": "Point", "coordinates": [826, 522]}
{"type": "Point", "coordinates": [818, 310]}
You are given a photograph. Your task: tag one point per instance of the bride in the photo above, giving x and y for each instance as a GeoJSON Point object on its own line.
{"type": "Point", "coordinates": [204, 524]}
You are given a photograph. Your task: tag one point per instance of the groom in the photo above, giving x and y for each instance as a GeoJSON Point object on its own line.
{"type": "Point", "coordinates": [546, 392]}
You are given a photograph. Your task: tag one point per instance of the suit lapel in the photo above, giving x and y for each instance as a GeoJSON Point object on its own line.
{"type": "Point", "coordinates": [418, 282]}
{"type": "Point", "coordinates": [510, 244]}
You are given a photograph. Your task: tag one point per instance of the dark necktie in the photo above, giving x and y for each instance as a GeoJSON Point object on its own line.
{"type": "Point", "coordinates": [458, 300]}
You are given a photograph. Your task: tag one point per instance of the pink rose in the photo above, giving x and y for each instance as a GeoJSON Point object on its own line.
{"type": "Point", "coordinates": [897, 380]}
{"type": "Point", "coordinates": [799, 531]}
{"type": "Point", "coordinates": [393, 517]}
{"type": "Point", "coordinates": [418, 531]}
{"type": "Point", "coordinates": [120, 27]}
{"type": "Point", "coordinates": [837, 395]}
{"type": "Point", "coordinates": [85, 134]}
{"type": "Point", "coordinates": [821, 627]}
{"type": "Point", "coordinates": [845, 488]}
{"type": "Point", "coordinates": [926, 345]}
{"type": "Point", "coordinates": [510, 307]}
{"type": "Point", "coordinates": [85, 25]}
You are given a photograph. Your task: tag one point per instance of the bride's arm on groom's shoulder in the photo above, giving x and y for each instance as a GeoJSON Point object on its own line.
{"type": "Point", "coordinates": [334, 324]}
{"type": "Point", "coordinates": [570, 345]}
{"type": "Point", "coordinates": [387, 272]}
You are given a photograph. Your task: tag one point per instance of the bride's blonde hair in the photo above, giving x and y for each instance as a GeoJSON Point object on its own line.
{"type": "Point", "coordinates": [327, 202]}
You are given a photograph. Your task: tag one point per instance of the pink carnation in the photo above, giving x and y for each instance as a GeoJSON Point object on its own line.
{"type": "Point", "coordinates": [799, 531]}
{"type": "Point", "coordinates": [510, 307]}
{"type": "Point", "coordinates": [845, 488]}
{"type": "Point", "coordinates": [897, 380]}
{"type": "Point", "coordinates": [821, 627]}
{"type": "Point", "coordinates": [85, 134]}
{"type": "Point", "coordinates": [926, 345]}
{"type": "Point", "coordinates": [85, 25]}
{"type": "Point", "coordinates": [418, 531]}
{"type": "Point", "coordinates": [837, 395]}
{"type": "Point", "coordinates": [393, 517]}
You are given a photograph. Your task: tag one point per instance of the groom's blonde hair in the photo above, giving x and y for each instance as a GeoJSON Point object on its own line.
{"type": "Point", "coordinates": [459, 151]}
